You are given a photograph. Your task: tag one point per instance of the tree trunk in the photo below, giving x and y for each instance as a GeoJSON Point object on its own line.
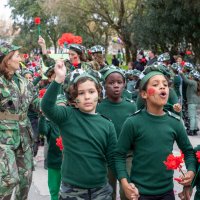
{"type": "Point", "coordinates": [127, 52]}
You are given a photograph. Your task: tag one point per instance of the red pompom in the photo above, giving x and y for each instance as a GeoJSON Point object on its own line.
{"type": "Point", "coordinates": [37, 20]}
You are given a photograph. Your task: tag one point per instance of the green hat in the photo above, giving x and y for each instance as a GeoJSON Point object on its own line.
{"type": "Point", "coordinates": [6, 48]}
{"type": "Point", "coordinates": [61, 99]}
{"type": "Point", "coordinates": [97, 49]}
{"type": "Point", "coordinates": [27, 72]}
{"type": "Point", "coordinates": [134, 72]}
{"type": "Point", "coordinates": [163, 57]}
{"type": "Point", "coordinates": [109, 69]}
{"type": "Point", "coordinates": [148, 76]}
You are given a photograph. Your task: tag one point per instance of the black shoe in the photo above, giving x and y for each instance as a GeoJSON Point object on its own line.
{"type": "Point", "coordinates": [195, 132]}
{"type": "Point", "coordinates": [190, 133]}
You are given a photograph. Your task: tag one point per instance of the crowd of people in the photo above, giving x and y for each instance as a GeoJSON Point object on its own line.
{"type": "Point", "coordinates": [101, 123]}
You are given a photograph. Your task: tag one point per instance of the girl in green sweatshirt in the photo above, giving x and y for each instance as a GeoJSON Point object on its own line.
{"type": "Point", "coordinates": [89, 139]}
{"type": "Point", "coordinates": [151, 134]}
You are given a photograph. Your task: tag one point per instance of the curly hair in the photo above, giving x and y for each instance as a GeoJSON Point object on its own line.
{"type": "Point", "coordinates": [73, 89]}
{"type": "Point", "coordinates": [4, 66]}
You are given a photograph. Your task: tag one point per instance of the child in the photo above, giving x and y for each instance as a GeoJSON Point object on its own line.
{"type": "Point", "coordinates": [89, 139]}
{"type": "Point", "coordinates": [54, 154]}
{"type": "Point", "coordinates": [114, 106]}
{"type": "Point", "coordinates": [193, 98]}
{"type": "Point", "coordinates": [151, 133]}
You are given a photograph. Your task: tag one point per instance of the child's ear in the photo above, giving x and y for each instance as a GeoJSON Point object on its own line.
{"type": "Point", "coordinates": [143, 94]}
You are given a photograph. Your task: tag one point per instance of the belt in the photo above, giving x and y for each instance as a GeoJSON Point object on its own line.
{"type": "Point", "coordinates": [10, 116]}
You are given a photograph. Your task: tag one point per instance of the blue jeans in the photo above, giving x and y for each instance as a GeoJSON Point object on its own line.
{"type": "Point", "coordinates": [192, 113]}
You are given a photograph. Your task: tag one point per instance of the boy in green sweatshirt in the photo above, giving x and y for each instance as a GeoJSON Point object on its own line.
{"type": "Point", "coordinates": [151, 133]}
{"type": "Point", "coordinates": [115, 107]}
{"type": "Point", "coordinates": [89, 139]}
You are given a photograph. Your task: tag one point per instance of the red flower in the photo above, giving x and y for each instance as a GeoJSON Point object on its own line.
{"type": "Point", "coordinates": [42, 92]}
{"type": "Point", "coordinates": [59, 143]}
{"type": "Point", "coordinates": [25, 55]}
{"type": "Point", "coordinates": [34, 64]}
{"type": "Point", "coordinates": [37, 20]}
{"type": "Point", "coordinates": [182, 63]}
{"type": "Point", "coordinates": [89, 52]}
{"type": "Point", "coordinates": [77, 39]}
{"type": "Point", "coordinates": [188, 52]}
{"type": "Point", "coordinates": [173, 162]}
{"type": "Point", "coordinates": [36, 74]}
{"type": "Point", "coordinates": [151, 91]}
{"type": "Point", "coordinates": [198, 156]}
{"type": "Point", "coordinates": [75, 64]}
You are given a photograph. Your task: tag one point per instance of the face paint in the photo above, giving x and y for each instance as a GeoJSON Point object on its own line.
{"type": "Point", "coordinates": [96, 99]}
{"type": "Point", "coordinates": [151, 91]}
{"type": "Point", "coordinates": [77, 101]}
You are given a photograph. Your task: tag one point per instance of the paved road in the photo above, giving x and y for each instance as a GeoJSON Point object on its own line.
{"type": "Point", "coordinates": [39, 188]}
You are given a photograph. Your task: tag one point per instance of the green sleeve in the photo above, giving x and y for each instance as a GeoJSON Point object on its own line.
{"type": "Point", "coordinates": [37, 80]}
{"type": "Point", "coordinates": [43, 127]}
{"type": "Point", "coordinates": [53, 112]}
{"type": "Point", "coordinates": [187, 81]}
{"type": "Point", "coordinates": [112, 141]}
{"type": "Point", "coordinates": [184, 144]}
{"type": "Point", "coordinates": [123, 146]}
{"type": "Point", "coordinates": [173, 98]}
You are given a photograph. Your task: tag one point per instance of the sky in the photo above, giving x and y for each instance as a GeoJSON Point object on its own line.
{"type": "Point", "coordinates": [4, 11]}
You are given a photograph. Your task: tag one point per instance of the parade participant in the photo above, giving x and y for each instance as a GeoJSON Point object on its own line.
{"type": "Point", "coordinates": [115, 108]}
{"type": "Point", "coordinates": [16, 156]}
{"type": "Point", "coordinates": [89, 139]}
{"type": "Point", "coordinates": [152, 57]}
{"type": "Point", "coordinates": [54, 154]}
{"type": "Point", "coordinates": [97, 53]}
{"type": "Point", "coordinates": [193, 98]}
{"type": "Point", "coordinates": [151, 134]}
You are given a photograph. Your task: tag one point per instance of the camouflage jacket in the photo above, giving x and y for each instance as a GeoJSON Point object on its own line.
{"type": "Point", "coordinates": [16, 101]}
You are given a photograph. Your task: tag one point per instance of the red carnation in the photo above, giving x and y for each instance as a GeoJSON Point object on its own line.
{"type": "Point", "coordinates": [25, 55]}
{"type": "Point", "coordinates": [198, 156]}
{"type": "Point", "coordinates": [188, 53]}
{"type": "Point", "coordinates": [75, 64]}
{"type": "Point", "coordinates": [59, 143]}
{"type": "Point", "coordinates": [42, 92]}
{"type": "Point", "coordinates": [36, 74]}
{"type": "Point", "coordinates": [151, 91]}
{"type": "Point", "coordinates": [77, 39]}
{"type": "Point", "coordinates": [34, 64]}
{"type": "Point", "coordinates": [174, 162]}
{"type": "Point", "coordinates": [37, 20]}
{"type": "Point", "coordinates": [89, 52]}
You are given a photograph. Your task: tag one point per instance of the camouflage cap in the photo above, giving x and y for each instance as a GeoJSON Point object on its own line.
{"type": "Point", "coordinates": [163, 57]}
{"type": "Point", "coordinates": [27, 72]}
{"type": "Point", "coordinates": [97, 49]}
{"type": "Point", "coordinates": [107, 70]}
{"type": "Point", "coordinates": [195, 74]}
{"type": "Point", "coordinates": [6, 48]}
{"type": "Point", "coordinates": [134, 72]}
{"type": "Point", "coordinates": [77, 48]}
{"type": "Point", "coordinates": [188, 66]}
{"type": "Point", "coordinates": [176, 67]}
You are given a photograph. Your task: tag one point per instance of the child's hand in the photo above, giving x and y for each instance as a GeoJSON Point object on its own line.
{"type": "Point", "coordinates": [177, 107]}
{"type": "Point", "coordinates": [186, 193]}
{"type": "Point", "coordinates": [187, 179]}
{"type": "Point", "coordinates": [60, 71]}
{"type": "Point", "coordinates": [130, 190]}
{"type": "Point", "coordinates": [42, 43]}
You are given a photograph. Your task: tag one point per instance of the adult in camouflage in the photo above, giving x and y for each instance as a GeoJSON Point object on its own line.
{"type": "Point", "coordinates": [16, 155]}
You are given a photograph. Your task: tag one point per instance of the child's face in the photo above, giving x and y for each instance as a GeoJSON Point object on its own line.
{"type": "Point", "coordinates": [73, 56]}
{"type": "Point", "coordinates": [114, 85]}
{"type": "Point", "coordinates": [157, 91]}
{"type": "Point", "coordinates": [29, 77]}
{"type": "Point", "coordinates": [87, 98]}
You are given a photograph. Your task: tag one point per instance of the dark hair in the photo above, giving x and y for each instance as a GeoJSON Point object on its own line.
{"type": "Point", "coordinates": [73, 89]}
{"type": "Point", "coordinates": [4, 65]}
{"type": "Point", "coordinates": [198, 88]}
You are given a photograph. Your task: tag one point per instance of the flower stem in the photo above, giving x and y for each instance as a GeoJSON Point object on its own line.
{"type": "Point", "coordinates": [181, 171]}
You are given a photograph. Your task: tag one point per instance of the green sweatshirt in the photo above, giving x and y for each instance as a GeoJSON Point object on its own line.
{"type": "Point", "coordinates": [191, 92]}
{"type": "Point", "coordinates": [152, 139]}
{"type": "Point", "coordinates": [117, 112]}
{"type": "Point", "coordinates": [51, 131]}
{"type": "Point", "coordinates": [89, 142]}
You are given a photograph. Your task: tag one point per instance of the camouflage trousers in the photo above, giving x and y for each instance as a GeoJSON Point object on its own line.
{"type": "Point", "coordinates": [69, 192]}
{"type": "Point", "coordinates": [15, 172]}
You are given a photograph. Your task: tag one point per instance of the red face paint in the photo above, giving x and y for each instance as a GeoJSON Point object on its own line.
{"type": "Point", "coordinates": [151, 91]}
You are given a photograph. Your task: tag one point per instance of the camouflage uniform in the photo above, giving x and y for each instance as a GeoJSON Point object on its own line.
{"type": "Point", "coordinates": [69, 192]}
{"type": "Point", "coordinates": [16, 157]}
